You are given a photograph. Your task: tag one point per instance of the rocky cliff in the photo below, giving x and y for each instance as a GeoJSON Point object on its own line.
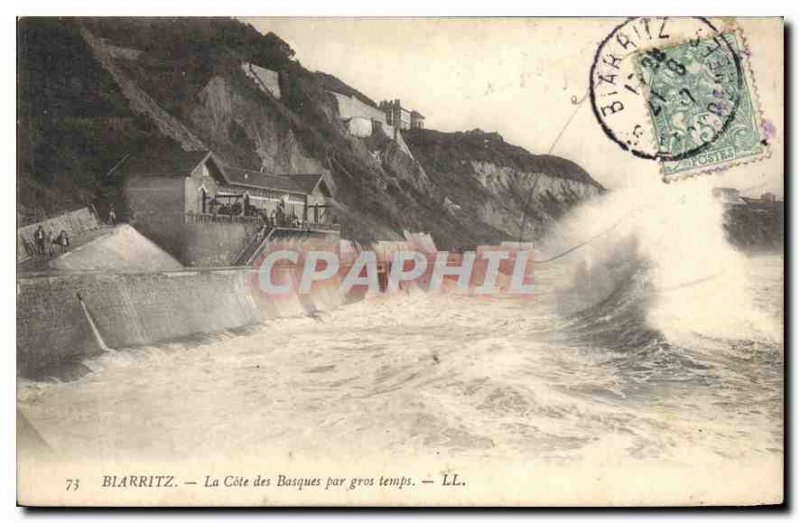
{"type": "Point", "coordinates": [498, 189]}
{"type": "Point", "coordinates": [93, 91]}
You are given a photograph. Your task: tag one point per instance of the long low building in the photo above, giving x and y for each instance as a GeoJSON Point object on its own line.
{"type": "Point", "coordinates": [204, 212]}
{"type": "Point", "coordinates": [197, 182]}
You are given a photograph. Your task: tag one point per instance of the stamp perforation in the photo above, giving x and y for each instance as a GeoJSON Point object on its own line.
{"type": "Point", "coordinates": [755, 100]}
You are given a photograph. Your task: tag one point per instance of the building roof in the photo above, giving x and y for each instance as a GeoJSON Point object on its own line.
{"type": "Point", "coordinates": [179, 163]}
{"type": "Point", "coordinates": [294, 183]}
{"type": "Point", "coordinates": [164, 162]}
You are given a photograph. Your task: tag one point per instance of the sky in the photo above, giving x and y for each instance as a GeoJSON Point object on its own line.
{"type": "Point", "coordinates": [520, 77]}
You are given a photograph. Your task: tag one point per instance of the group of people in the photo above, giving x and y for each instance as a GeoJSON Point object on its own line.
{"type": "Point", "coordinates": [280, 218]}
{"type": "Point", "coordinates": [48, 243]}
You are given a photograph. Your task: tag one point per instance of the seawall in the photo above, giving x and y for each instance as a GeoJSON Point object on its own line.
{"type": "Point", "coordinates": [140, 308]}
{"type": "Point", "coordinates": [130, 309]}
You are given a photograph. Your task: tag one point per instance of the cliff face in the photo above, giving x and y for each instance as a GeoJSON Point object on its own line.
{"type": "Point", "coordinates": [498, 188]}
{"type": "Point", "coordinates": [93, 91]}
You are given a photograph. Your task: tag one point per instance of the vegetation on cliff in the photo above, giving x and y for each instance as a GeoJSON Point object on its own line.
{"type": "Point", "coordinates": [444, 150]}
{"type": "Point", "coordinates": [92, 91]}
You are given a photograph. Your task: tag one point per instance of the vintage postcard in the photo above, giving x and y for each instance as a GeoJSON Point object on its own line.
{"type": "Point", "coordinates": [400, 262]}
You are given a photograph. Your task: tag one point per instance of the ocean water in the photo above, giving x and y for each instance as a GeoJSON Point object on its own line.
{"type": "Point", "coordinates": [656, 341]}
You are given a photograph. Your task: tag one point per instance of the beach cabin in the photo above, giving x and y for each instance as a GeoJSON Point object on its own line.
{"type": "Point", "coordinates": [204, 211]}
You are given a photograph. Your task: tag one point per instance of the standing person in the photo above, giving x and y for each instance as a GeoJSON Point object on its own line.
{"type": "Point", "coordinates": [262, 233]}
{"type": "Point", "coordinates": [39, 238]}
{"type": "Point", "coordinates": [50, 240]}
{"type": "Point", "coordinates": [63, 241]}
{"type": "Point", "coordinates": [280, 214]}
{"type": "Point", "coordinates": [112, 216]}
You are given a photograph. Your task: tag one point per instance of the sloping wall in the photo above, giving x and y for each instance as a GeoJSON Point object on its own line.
{"type": "Point", "coordinates": [266, 79]}
{"type": "Point", "coordinates": [352, 107]}
{"type": "Point", "coordinates": [75, 223]}
{"type": "Point", "coordinates": [130, 309]}
{"type": "Point", "coordinates": [120, 249]}
{"type": "Point", "coordinates": [127, 309]}
{"type": "Point", "coordinates": [138, 308]}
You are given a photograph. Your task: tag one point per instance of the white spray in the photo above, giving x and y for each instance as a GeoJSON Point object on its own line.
{"type": "Point", "coordinates": [699, 281]}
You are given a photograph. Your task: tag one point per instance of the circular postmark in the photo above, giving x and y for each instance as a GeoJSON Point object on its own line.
{"type": "Point", "coordinates": [666, 88]}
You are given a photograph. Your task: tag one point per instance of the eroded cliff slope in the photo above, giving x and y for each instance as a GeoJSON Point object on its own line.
{"type": "Point", "coordinates": [93, 91]}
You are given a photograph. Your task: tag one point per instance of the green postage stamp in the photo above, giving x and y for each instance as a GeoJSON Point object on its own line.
{"type": "Point", "coordinates": [702, 101]}
{"type": "Point", "coordinates": [679, 91]}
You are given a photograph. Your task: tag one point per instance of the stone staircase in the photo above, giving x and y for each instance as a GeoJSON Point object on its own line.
{"type": "Point", "coordinates": [253, 248]}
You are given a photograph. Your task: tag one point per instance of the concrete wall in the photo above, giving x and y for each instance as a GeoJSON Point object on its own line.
{"type": "Point", "coordinates": [359, 126]}
{"type": "Point", "coordinates": [140, 308]}
{"type": "Point", "coordinates": [352, 107]}
{"type": "Point", "coordinates": [264, 78]}
{"type": "Point", "coordinates": [214, 242]}
{"type": "Point", "coordinates": [128, 310]}
{"type": "Point", "coordinates": [75, 223]}
{"type": "Point", "coordinates": [155, 195]}
{"type": "Point", "coordinates": [51, 325]}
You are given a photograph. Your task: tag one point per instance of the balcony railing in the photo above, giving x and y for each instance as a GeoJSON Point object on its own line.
{"type": "Point", "coordinates": [332, 227]}
{"type": "Point", "coordinates": [191, 217]}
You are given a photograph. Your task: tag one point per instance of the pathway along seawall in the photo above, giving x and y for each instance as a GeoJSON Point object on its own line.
{"type": "Point", "coordinates": [130, 309]}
